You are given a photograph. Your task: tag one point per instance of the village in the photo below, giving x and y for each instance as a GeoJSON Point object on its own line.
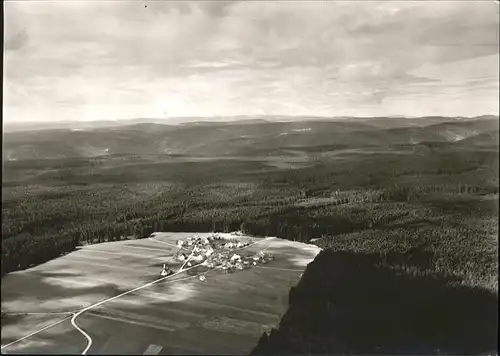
{"type": "Point", "coordinates": [216, 251]}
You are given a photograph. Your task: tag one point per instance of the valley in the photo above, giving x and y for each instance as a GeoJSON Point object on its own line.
{"type": "Point", "coordinates": [415, 198]}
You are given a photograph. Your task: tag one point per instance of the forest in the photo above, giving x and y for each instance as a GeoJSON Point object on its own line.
{"type": "Point", "coordinates": [411, 228]}
{"type": "Point", "coordinates": [384, 202]}
{"type": "Point", "coordinates": [361, 303]}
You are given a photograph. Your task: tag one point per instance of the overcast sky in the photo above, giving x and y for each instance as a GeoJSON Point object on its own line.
{"type": "Point", "coordinates": [95, 59]}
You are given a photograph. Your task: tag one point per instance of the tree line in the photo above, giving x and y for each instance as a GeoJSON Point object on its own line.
{"type": "Point", "coordinates": [31, 234]}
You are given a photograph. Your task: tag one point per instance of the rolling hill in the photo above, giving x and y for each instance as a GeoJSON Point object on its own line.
{"type": "Point", "coordinates": [240, 138]}
{"type": "Point", "coordinates": [373, 189]}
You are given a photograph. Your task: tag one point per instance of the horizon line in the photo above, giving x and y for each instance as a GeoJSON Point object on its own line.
{"type": "Point", "coordinates": [166, 119]}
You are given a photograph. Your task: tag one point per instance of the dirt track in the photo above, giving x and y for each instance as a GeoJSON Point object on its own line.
{"type": "Point", "coordinates": [173, 316]}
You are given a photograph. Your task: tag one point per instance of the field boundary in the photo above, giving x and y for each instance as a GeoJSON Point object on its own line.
{"type": "Point", "coordinates": [76, 314]}
{"type": "Point", "coordinates": [181, 270]}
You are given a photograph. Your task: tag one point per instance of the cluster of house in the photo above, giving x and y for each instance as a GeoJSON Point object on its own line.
{"type": "Point", "coordinates": [237, 262]}
{"type": "Point", "coordinates": [216, 251]}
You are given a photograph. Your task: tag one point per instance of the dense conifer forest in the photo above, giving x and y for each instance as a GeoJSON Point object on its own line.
{"type": "Point", "coordinates": [376, 202]}
{"type": "Point", "coordinates": [410, 225]}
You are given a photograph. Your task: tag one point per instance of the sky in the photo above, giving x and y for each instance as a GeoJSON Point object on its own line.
{"type": "Point", "coordinates": [113, 60]}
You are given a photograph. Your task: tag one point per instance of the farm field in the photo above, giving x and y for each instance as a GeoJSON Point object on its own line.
{"type": "Point", "coordinates": [401, 197]}
{"type": "Point", "coordinates": [225, 314]}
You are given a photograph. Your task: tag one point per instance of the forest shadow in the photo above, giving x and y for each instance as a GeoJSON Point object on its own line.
{"type": "Point", "coordinates": [361, 303]}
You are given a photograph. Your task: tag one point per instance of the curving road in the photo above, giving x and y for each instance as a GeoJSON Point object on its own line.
{"type": "Point", "coordinates": [75, 315]}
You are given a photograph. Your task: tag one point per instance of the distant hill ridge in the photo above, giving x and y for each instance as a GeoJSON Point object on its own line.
{"type": "Point", "coordinates": [197, 121]}
{"type": "Point", "coordinates": [250, 137]}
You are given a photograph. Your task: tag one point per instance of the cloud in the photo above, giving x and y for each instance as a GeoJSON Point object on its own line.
{"type": "Point", "coordinates": [227, 58]}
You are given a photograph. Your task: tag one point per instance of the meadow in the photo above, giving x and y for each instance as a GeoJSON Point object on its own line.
{"type": "Point", "coordinates": [415, 199]}
{"type": "Point", "coordinates": [224, 313]}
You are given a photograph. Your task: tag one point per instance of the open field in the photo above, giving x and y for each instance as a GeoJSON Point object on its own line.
{"type": "Point", "coordinates": [226, 313]}
{"type": "Point", "coordinates": [410, 196]}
